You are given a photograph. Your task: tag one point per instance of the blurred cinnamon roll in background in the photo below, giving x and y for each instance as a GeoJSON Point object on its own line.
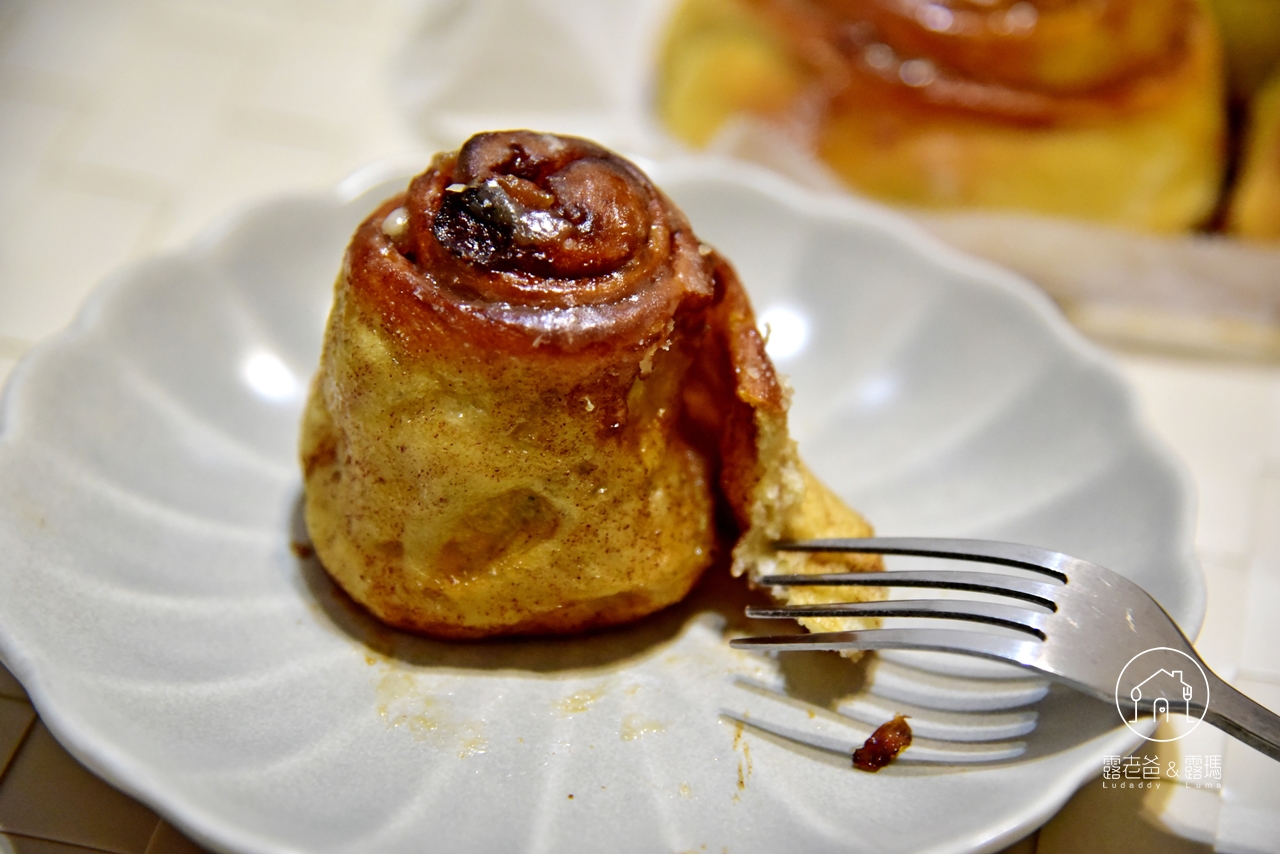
{"type": "Point", "coordinates": [543, 405]}
{"type": "Point", "coordinates": [1110, 110]}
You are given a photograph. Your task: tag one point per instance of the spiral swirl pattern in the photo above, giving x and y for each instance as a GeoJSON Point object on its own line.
{"type": "Point", "coordinates": [528, 240]}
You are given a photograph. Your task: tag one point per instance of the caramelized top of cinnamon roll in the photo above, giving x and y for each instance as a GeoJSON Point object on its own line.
{"type": "Point", "coordinates": [1025, 61]}
{"type": "Point", "coordinates": [532, 242]}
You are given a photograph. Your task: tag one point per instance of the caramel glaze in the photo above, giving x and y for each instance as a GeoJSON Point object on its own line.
{"type": "Point", "coordinates": [557, 251]}
{"type": "Point", "coordinates": [543, 289]}
{"type": "Point", "coordinates": [883, 746]}
{"type": "Point", "coordinates": [1035, 63]}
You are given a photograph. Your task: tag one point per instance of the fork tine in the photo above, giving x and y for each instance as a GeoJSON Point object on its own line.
{"type": "Point", "coordinates": [1040, 592]}
{"type": "Point", "coordinates": [1017, 555]}
{"type": "Point", "coordinates": [1106, 618]}
{"type": "Point", "coordinates": [993, 613]}
{"type": "Point", "coordinates": [981, 644]}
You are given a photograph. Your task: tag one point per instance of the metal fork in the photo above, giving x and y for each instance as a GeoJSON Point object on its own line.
{"type": "Point", "coordinates": [1082, 625]}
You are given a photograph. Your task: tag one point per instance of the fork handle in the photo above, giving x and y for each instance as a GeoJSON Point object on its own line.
{"type": "Point", "coordinates": [1237, 715]}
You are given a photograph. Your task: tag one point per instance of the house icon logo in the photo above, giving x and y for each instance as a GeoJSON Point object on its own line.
{"type": "Point", "coordinates": [1164, 689]}
{"type": "Point", "coordinates": [1160, 682]}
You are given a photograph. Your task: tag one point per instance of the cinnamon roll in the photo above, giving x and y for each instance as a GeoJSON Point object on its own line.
{"type": "Point", "coordinates": [537, 391]}
{"type": "Point", "coordinates": [1102, 109]}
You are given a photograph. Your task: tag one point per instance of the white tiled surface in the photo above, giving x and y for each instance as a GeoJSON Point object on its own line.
{"type": "Point", "coordinates": [126, 126]}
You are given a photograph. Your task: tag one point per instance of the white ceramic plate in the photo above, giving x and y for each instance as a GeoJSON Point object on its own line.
{"type": "Point", "coordinates": [152, 605]}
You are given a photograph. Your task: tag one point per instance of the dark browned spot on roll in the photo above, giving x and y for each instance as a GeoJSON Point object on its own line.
{"type": "Point", "coordinates": [525, 201]}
